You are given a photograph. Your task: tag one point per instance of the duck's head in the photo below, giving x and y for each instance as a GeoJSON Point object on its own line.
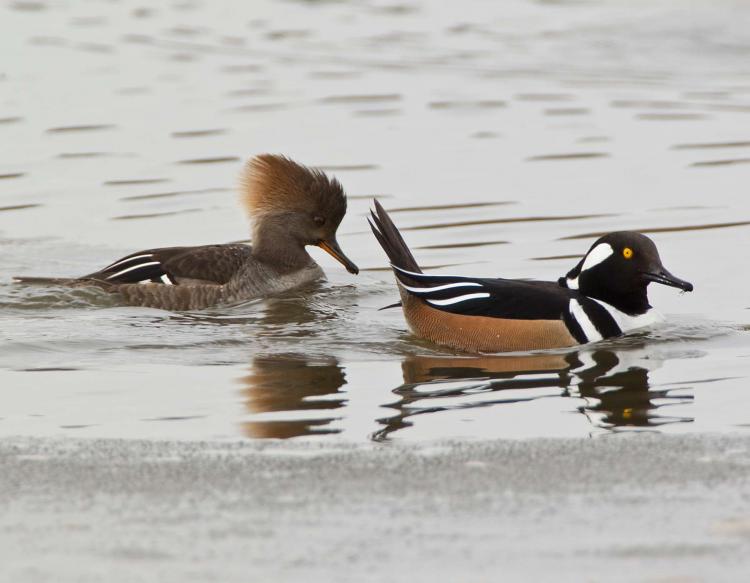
{"type": "Point", "coordinates": [618, 268]}
{"type": "Point", "coordinates": [282, 196]}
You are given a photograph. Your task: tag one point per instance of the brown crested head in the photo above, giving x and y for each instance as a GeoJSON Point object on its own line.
{"type": "Point", "coordinates": [291, 202]}
{"type": "Point", "coordinates": [274, 184]}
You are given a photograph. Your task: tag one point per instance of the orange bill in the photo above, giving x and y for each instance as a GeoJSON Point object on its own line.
{"type": "Point", "coordinates": [333, 249]}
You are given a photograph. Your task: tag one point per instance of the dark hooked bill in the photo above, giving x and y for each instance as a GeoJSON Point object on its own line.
{"type": "Point", "coordinates": [333, 249]}
{"type": "Point", "coordinates": [665, 278]}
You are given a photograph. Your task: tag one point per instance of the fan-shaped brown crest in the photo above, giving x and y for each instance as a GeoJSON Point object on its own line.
{"type": "Point", "coordinates": [274, 184]}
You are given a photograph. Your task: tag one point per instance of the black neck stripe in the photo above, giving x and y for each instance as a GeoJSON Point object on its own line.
{"type": "Point", "coordinates": [601, 319]}
{"type": "Point", "coordinates": [574, 327]}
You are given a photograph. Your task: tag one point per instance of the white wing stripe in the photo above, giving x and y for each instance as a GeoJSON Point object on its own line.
{"type": "Point", "coordinates": [427, 290]}
{"type": "Point", "coordinates": [587, 326]}
{"type": "Point", "coordinates": [127, 260]}
{"type": "Point", "coordinates": [397, 268]}
{"type": "Point", "coordinates": [456, 300]}
{"type": "Point", "coordinates": [139, 266]}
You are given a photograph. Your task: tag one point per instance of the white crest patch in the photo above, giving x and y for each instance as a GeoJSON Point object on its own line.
{"type": "Point", "coordinates": [597, 255]}
{"type": "Point", "coordinates": [593, 258]}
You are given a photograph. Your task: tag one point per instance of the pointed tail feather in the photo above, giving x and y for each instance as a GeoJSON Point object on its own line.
{"type": "Point", "coordinates": [43, 280]}
{"type": "Point", "coordinates": [67, 281]}
{"type": "Point", "coordinates": [391, 240]}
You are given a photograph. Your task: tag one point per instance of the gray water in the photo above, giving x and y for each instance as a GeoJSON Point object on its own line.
{"type": "Point", "coordinates": [503, 136]}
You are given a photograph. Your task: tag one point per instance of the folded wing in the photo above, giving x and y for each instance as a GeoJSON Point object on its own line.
{"type": "Point", "coordinates": [497, 298]}
{"type": "Point", "coordinates": [210, 264]}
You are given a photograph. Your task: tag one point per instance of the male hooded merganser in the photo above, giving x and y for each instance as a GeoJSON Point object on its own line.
{"type": "Point", "coordinates": [291, 206]}
{"type": "Point", "coordinates": [601, 297]}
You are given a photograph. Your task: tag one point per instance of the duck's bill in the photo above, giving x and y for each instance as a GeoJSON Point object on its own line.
{"type": "Point", "coordinates": [665, 278]}
{"type": "Point", "coordinates": [333, 249]}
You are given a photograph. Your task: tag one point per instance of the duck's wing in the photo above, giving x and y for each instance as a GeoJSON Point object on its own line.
{"type": "Point", "coordinates": [496, 298]}
{"type": "Point", "coordinates": [208, 264]}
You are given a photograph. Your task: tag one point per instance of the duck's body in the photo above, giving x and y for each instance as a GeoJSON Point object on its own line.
{"type": "Point", "coordinates": [502, 315]}
{"type": "Point", "coordinates": [189, 278]}
{"type": "Point", "coordinates": [291, 205]}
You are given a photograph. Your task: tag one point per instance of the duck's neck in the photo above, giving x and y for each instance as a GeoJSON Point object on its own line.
{"type": "Point", "coordinates": [632, 303]}
{"type": "Point", "coordinates": [274, 243]}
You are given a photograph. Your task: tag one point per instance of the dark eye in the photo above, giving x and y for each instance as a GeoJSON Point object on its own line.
{"type": "Point", "coordinates": [320, 221]}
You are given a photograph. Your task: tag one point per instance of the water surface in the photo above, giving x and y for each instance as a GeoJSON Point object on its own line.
{"type": "Point", "coordinates": [505, 138]}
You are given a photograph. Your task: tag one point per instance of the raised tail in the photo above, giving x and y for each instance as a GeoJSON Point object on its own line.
{"type": "Point", "coordinates": [391, 240]}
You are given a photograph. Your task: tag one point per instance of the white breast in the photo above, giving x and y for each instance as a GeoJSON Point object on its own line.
{"type": "Point", "coordinates": [627, 322]}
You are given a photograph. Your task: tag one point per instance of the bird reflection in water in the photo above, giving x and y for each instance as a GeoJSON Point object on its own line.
{"type": "Point", "coordinates": [290, 396]}
{"type": "Point", "coordinates": [618, 395]}
{"type": "Point", "coordinates": [615, 394]}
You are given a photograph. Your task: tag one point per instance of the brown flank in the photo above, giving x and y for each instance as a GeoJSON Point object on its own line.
{"type": "Point", "coordinates": [482, 333]}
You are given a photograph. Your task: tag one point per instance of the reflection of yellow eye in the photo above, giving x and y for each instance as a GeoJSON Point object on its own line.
{"type": "Point", "coordinates": [627, 253]}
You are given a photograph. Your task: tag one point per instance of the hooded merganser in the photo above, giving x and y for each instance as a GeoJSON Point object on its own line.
{"type": "Point", "coordinates": [291, 206]}
{"type": "Point", "coordinates": [601, 297]}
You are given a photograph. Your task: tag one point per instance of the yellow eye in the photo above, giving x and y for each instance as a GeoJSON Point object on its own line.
{"type": "Point", "coordinates": [627, 253]}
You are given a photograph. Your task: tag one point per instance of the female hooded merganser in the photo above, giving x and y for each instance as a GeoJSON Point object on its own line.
{"type": "Point", "coordinates": [291, 206]}
{"type": "Point", "coordinates": [601, 297]}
